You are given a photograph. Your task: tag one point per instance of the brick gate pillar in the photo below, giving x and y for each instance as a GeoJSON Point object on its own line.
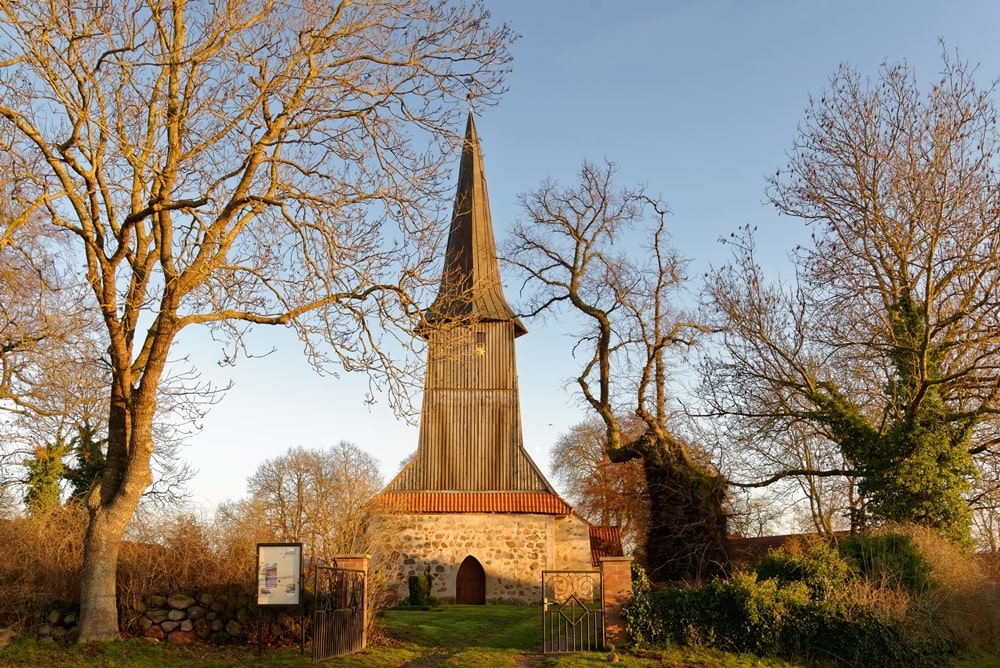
{"type": "Point", "coordinates": [358, 562]}
{"type": "Point", "coordinates": [616, 576]}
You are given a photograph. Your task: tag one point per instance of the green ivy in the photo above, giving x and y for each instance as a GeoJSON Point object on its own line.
{"type": "Point", "coordinates": [821, 569]}
{"type": "Point", "coordinates": [785, 609]}
{"type": "Point", "coordinates": [891, 558]}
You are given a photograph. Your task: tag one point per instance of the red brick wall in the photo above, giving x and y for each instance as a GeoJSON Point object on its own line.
{"type": "Point", "coordinates": [616, 573]}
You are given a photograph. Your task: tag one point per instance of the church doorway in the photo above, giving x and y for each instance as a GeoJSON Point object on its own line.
{"type": "Point", "coordinates": [470, 584]}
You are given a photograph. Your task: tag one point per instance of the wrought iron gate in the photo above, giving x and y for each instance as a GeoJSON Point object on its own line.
{"type": "Point", "coordinates": [339, 619]}
{"type": "Point", "coordinates": [572, 616]}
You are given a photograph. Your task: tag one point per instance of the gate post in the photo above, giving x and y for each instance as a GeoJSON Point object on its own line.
{"type": "Point", "coordinates": [358, 562]}
{"type": "Point", "coordinates": [616, 577]}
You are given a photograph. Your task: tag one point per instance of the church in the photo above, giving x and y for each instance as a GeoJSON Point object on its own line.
{"type": "Point", "coordinates": [473, 509]}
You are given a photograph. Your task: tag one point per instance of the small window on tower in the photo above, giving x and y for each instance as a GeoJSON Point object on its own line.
{"type": "Point", "coordinates": [480, 343]}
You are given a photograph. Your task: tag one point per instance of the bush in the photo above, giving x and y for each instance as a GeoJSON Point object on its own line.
{"type": "Point", "coordinates": [828, 633]}
{"type": "Point", "coordinates": [40, 570]}
{"type": "Point", "coordinates": [889, 559]}
{"type": "Point", "coordinates": [805, 605]}
{"type": "Point", "coordinates": [820, 568]}
{"type": "Point", "coordinates": [420, 590]}
{"type": "Point", "coordinates": [640, 624]}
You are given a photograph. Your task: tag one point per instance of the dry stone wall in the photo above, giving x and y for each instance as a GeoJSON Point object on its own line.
{"type": "Point", "coordinates": [58, 625]}
{"type": "Point", "coordinates": [183, 619]}
{"type": "Point", "coordinates": [513, 549]}
{"type": "Point", "coordinates": [218, 617]}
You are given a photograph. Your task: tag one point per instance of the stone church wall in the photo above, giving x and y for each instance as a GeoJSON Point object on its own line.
{"type": "Point", "coordinates": [513, 549]}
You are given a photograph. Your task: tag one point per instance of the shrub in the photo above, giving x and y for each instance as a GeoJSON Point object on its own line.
{"type": "Point", "coordinates": [806, 605]}
{"type": "Point", "coordinates": [420, 590]}
{"type": "Point", "coordinates": [891, 559]}
{"type": "Point", "coordinates": [640, 624]}
{"type": "Point", "coordinates": [820, 568]}
{"type": "Point", "coordinates": [748, 615]}
{"type": "Point", "coordinates": [742, 614]}
{"type": "Point", "coordinates": [40, 570]}
{"type": "Point", "coordinates": [827, 633]}
{"type": "Point", "coordinates": [961, 605]}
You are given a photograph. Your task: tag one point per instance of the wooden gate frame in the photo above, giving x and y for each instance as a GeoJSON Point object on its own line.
{"type": "Point", "coordinates": [339, 624]}
{"type": "Point", "coordinates": [572, 611]}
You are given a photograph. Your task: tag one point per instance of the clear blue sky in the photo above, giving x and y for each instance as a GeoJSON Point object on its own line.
{"type": "Point", "coordinates": [697, 99]}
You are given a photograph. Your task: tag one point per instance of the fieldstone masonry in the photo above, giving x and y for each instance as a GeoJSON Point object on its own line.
{"type": "Point", "coordinates": [183, 619]}
{"type": "Point", "coordinates": [513, 549]}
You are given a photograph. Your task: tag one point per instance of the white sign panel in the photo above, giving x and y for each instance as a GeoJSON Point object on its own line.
{"type": "Point", "coordinates": [279, 573]}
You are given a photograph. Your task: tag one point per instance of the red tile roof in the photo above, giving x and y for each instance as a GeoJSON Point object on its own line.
{"type": "Point", "coordinates": [535, 503]}
{"type": "Point", "coordinates": [747, 552]}
{"type": "Point", "coordinates": [605, 542]}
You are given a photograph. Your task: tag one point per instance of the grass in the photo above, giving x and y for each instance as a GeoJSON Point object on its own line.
{"type": "Point", "coordinates": [447, 637]}
{"type": "Point", "coordinates": [457, 626]}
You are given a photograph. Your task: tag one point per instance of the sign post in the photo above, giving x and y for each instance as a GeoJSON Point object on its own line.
{"type": "Point", "coordinates": [279, 582]}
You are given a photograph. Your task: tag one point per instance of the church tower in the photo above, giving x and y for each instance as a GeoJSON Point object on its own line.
{"type": "Point", "coordinates": [470, 426]}
{"type": "Point", "coordinates": [476, 512]}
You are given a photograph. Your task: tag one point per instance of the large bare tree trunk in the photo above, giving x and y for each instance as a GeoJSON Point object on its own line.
{"type": "Point", "coordinates": [687, 538]}
{"type": "Point", "coordinates": [98, 593]}
{"type": "Point", "coordinates": [111, 505]}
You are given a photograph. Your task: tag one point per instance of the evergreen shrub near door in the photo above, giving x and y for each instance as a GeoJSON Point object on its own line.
{"type": "Point", "coordinates": [420, 591]}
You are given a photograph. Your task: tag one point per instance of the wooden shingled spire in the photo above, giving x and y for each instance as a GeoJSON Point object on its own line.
{"type": "Point", "coordinates": [470, 284]}
{"type": "Point", "coordinates": [470, 428]}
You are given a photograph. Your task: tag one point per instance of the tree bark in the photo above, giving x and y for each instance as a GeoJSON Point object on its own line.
{"type": "Point", "coordinates": [98, 591]}
{"type": "Point", "coordinates": [111, 505]}
{"type": "Point", "coordinates": [687, 538]}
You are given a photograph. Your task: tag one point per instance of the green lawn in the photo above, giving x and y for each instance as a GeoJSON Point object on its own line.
{"type": "Point", "coordinates": [447, 637]}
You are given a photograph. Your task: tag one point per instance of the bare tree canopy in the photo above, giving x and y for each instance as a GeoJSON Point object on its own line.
{"type": "Point", "coordinates": [235, 164]}
{"type": "Point", "coordinates": [49, 338]}
{"type": "Point", "coordinates": [319, 497]}
{"type": "Point", "coordinates": [577, 251]}
{"type": "Point", "coordinates": [605, 492]}
{"type": "Point", "coordinates": [886, 344]}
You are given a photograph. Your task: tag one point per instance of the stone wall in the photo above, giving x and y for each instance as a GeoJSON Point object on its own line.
{"type": "Point", "coordinates": [58, 625]}
{"type": "Point", "coordinates": [182, 619]}
{"type": "Point", "coordinates": [218, 617]}
{"type": "Point", "coordinates": [513, 549]}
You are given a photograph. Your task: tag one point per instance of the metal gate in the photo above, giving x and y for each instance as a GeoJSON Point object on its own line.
{"type": "Point", "coordinates": [339, 619]}
{"type": "Point", "coordinates": [572, 615]}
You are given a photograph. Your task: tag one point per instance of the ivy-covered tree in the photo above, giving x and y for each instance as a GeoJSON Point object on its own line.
{"type": "Point", "coordinates": [886, 344]}
{"type": "Point", "coordinates": [45, 474]}
{"type": "Point", "coordinates": [576, 251]}
{"type": "Point", "coordinates": [87, 449]}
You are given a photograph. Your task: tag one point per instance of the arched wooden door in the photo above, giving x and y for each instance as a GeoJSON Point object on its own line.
{"type": "Point", "coordinates": [470, 584]}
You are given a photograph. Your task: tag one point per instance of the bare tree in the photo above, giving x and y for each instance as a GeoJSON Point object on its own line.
{"type": "Point", "coordinates": [325, 499]}
{"type": "Point", "coordinates": [885, 346]}
{"type": "Point", "coordinates": [578, 250]}
{"type": "Point", "coordinates": [320, 497]}
{"type": "Point", "coordinates": [822, 495]}
{"type": "Point", "coordinates": [604, 492]}
{"type": "Point", "coordinates": [49, 340]}
{"type": "Point", "coordinates": [229, 165]}
{"type": "Point", "coordinates": [985, 502]}
{"type": "Point", "coordinates": [51, 372]}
